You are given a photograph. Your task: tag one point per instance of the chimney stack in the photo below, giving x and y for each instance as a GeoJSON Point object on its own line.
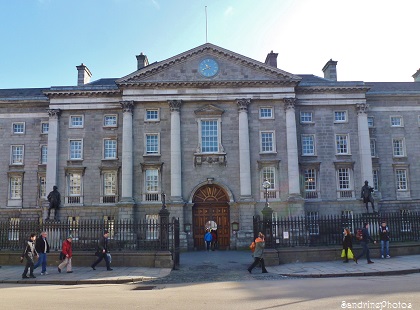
{"type": "Point", "coordinates": [330, 70]}
{"type": "Point", "coordinates": [416, 76]}
{"type": "Point", "coordinates": [142, 61]}
{"type": "Point", "coordinates": [271, 59]}
{"type": "Point", "coordinates": [83, 75]}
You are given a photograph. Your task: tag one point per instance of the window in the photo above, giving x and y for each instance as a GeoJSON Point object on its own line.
{"type": "Point", "coordinates": [110, 120]}
{"type": "Point", "coordinates": [109, 187]}
{"type": "Point", "coordinates": [373, 147]}
{"type": "Point", "coordinates": [152, 184]}
{"type": "Point", "coordinates": [44, 154]}
{"type": "Point", "coordinates": [269, 172]}
{"type": "Point", "coordinates": [308, 145]}
{"type": "Point", "coordinates": [152, 232]}
{"type": "Point", "coordinates": [344, 181]}
{"type": "Point", "coordinates": [110, 149]}
{"type": "Point", "coordinates": [342, 144]}
{"type": "Point", "coordinates": [19, 128]}
{"type": "Point", "coordinates": [17, 155]}
{"type": "Point", "coordinates": [76, 121]}
{"type": "Point", "coordinates": [209, 136]}
{"type": "Point", "coordinates": [45, 127]}
{"type": "Point", "coordinates": [306, 117]}
{"type": "Point", "coordinates": [401, 178]}
{"type": "Point", "coordinates": [15, 187]}
{"type": "Point", "coordinates": [405, 220]}
{"type": "Point", "coordinates": [396, 121]}
{"type": "Point", "coordinates": [109, 222]}
{"type": "Point", "coordinates": [398, 149]}
{"type": "Point", "coordinates": [152, 115]}
{"type": "Point", "coordinates": [313, 222]}
{"type": "Point", "coordinates": [76, 149]}
{"type": "Point", "coordinates": [266, 112]}
{"type": "Point", "coordinates": [267, 142]}
{"type": "Point", "coordinates": [347, 219]}
{"type": "Point", "coordinates": [74, 187]}
{"type": "Point", "coordinates": [152, 144]}
{"type": "Point", "coordinates": [343, 178]}
{"type": "Point", "coordinates": [375, 174]}
{"type": "Point", "coordinates": [310, 183]}
{"type": "Point", "coordinates": [14, 229]}
{"type": "Point", "coordinates": [42, 184]}
{"type": "Point", "coordinates": [371, 122]}
{"type": "Point", "coordinates": [73, 226]}
{"type": "Point", "coordinates": [340, 116]}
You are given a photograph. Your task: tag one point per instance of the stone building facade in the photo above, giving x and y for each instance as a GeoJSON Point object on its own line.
{"type": "Point", "coordinates": [206, 128]}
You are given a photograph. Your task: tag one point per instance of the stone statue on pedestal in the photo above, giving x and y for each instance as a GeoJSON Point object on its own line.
{"type": "Point", "coordinates": [54, 199]}
{"type": "Point", "coordinates": [367, 197]}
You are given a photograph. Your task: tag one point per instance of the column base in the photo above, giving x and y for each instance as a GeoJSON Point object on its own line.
{"type": "Point", "coordinates": [176, 199]}
{"type": "Point", "coordinates": [246, 198]}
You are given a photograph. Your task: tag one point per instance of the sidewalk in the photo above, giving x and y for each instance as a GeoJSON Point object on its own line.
{"type": "Point", "coordinates": [236, 261]}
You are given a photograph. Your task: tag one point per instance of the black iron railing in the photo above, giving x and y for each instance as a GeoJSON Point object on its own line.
{"type": "Point", "coordinates": [314, 230]}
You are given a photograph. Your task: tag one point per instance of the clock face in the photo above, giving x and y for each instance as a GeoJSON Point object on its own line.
{"type": "Point", "coordinates": [208, 67]}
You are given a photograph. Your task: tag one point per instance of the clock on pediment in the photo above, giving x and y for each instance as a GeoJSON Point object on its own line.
{"type": "Point", "coordinates": [208, 67]}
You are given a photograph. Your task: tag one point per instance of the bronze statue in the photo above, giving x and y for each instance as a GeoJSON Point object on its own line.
{"type": "Point", "coordinates": [54, 198]}
{"type": "Point", "coordinates": [367, 196]}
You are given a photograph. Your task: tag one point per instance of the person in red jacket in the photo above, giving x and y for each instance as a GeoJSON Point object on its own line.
{"type": "Point", "coordinates": [68, 253]}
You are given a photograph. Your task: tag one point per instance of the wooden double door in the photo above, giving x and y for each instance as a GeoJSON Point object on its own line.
{"type": "Point", "coordinates": [211, 210]}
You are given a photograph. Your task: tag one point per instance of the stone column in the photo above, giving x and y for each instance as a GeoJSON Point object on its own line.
{"type": "Point", "coordinates": [127, 152]}
{"type": "Point", "coordinates": [292, 149]}
{"type": "Point", "coordinates": [176, 175]}
{"type": "Point", "coordinates": [52, 156]}
{"type": "Point", "coordinates": [244, 153]}
{"type": "Point", "coordinates": [364, 145]}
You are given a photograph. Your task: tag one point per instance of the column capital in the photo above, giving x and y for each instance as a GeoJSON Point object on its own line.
{"type": "Point", "coordinates": [175, 105]}
{"type": "Point", "coordinates": [53, 113]}
{"type": "Point", "coordinates": [127, 106]}
{"type": "Point", "coordinates": [362, 108]}
{"type": "Point", "coordinates": [243, 104]}
{"type": "Point", "coordinates": [289, 103]}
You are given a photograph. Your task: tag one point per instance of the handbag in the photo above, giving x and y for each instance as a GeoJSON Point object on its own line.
{"type": "Point", "coordinates": [62, 256]}
{"type": "Point", "coordinates": [350, 254]}
{"type": "Point", "coordinates": [109, 257]}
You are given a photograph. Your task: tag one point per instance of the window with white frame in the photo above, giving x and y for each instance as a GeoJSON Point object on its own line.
{"type": "Point", "coordinates": [42, 185]}
{"type": "Point", "coordinates": [342, 144]}
{"type": "Point", "coordinates": [209, 136]}
{"type": "Point", "coordinates": [310, 183]}
{"type": "Point", "coordinates": [313, 222]}
{"type": "Point", "coordinates": [44, 154]}
{"type": "Point", "coordinates": [396, 121]}
{"type": "Point", "coordinates": [15, 187]}
{"type": "Point", "coordinates": [76, 121]}
{"type": "Point", "coordinates": [18, 128]}
{"type": "Point", "coordinates": [45, 126]}
{"type": "Point", "coordinates": [398, 149]}
{"type": "Point", "coordinates": [109, 187]}
{"type": "Point", "coordinates": [152, 115]}
{"type": "Point", "coordinates": [110, 148]}
{"type": "Point", "coordinates": [375, 174]}
{"type": "Point", "coordinates": [306, 117]}
{"type": "Point", "coordinates": [152, 144]}
{"type": "Point", "coordinates": [308, 145]}
{"type": "Point", "coordinates": [74, 187]}
{"type": "Point", "coordinates": [76, 149]}
{"type": "Point", "coordinates": [110, 120]}
{"type": "Point", "coordinates": [373, 147]}
{"type": "Point", "coordinates": [269, 173]}
{"type": "Point", "coordinates": [267, 142]}
{"type": "Point", "coordinates": [345, 188]}
{"type": "Point", "coordinates": [343, 178]}
{"type": "Point", "coordinates": [152, 184]}
{"type": "Point", "coordinates": [340, 116]}
{"type": "Point", "coordinates": [17, 153]}
{"type": "Point", "coordinates": [266, 113]}
{"type": "Point", "coordinates": [371, 121]}
{"type": "Point", "coordinates": [401, 179]}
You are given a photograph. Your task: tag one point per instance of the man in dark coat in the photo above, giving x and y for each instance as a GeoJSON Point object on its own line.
{"type": "Point", "coordinates": [103, 253]}
{"type": "Point", "coordinates": [364, 242]}
{"type": "Point", "coordinates": [42, 247]}
{"type": "Point", "coordinates": [54, 198]}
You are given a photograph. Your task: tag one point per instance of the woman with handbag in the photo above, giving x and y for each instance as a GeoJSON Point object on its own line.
{"type": "Point", "coordinates": [68, 254]}
{"type": "Point", "coordinates": [347, 246]}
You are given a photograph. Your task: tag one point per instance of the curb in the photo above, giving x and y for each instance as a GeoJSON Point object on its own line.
{"type": "Point", "coordinates": [78, 282]}
{"type": "Point", "coordinates": [354, 274]}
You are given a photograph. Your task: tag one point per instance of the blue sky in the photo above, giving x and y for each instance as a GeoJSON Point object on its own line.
{"type": "Point", "coordinates": [44, 40]}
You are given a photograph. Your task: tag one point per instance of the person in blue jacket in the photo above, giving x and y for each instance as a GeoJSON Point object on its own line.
{"type": "Point", "coordinates": [208, 238]}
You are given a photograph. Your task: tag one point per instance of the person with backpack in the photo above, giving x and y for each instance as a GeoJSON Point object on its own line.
{"type": "Point", "coordinates": [384, 235]}
{"type": "Point", "coordinates": [208, 238]}
{"type": "Point", "coordinates": [258, 253]}
{"type": "Point", "coordinates": [364, 242]}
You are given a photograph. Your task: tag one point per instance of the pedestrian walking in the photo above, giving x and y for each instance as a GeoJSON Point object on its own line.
{"type": "Point", "coordinates": [68, 253]}
{"type": "Point", "coordinates": [347, 245]}
{"type": "Point", "coordinates": [29, 252]}
{"type": "Point", "coordinates": [213, 239]}
{"type": "Point", "coordinates": [103, 252]}
{"type": "Point", "coordinates": [364, 242]}
{"type": "Point", "coordinates": [208, 238]}
{"type": "Point", "coordinates": [258, 253]}
{"type": "Point", "coordinates": [42, 247]}
{"type": "Point", "coordinates": [384, 236]}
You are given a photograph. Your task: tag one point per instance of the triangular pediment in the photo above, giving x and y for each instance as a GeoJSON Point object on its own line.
{"type": "Point", "coordinates": [209, 109]}
{"type": "Point", "coordinates": [183, 69]}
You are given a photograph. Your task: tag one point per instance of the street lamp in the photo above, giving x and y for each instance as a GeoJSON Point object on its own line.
{"type": "Point", "coordinates": [267, 213]}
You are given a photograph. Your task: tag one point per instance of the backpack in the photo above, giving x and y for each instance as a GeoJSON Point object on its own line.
{"type": "Point", "coordinates": [359, 234]}
{"type": "Point", "coordinates": [252, 247]}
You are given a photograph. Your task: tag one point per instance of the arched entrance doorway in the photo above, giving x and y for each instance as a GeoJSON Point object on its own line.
{"type": "Point", "coordinates": [211, 210]}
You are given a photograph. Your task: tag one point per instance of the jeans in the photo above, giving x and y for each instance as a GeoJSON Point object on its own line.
{"type": "Point", "coordinates": [42, 260]}
{"type": "Point", "coordinates": [386, 245]}
{"type": "Point", "coordinates": [29, 266]}
{"type": "Point", "coordinates": [365, 251]}
{"type": "Point", "coordinates": [102, 256]}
